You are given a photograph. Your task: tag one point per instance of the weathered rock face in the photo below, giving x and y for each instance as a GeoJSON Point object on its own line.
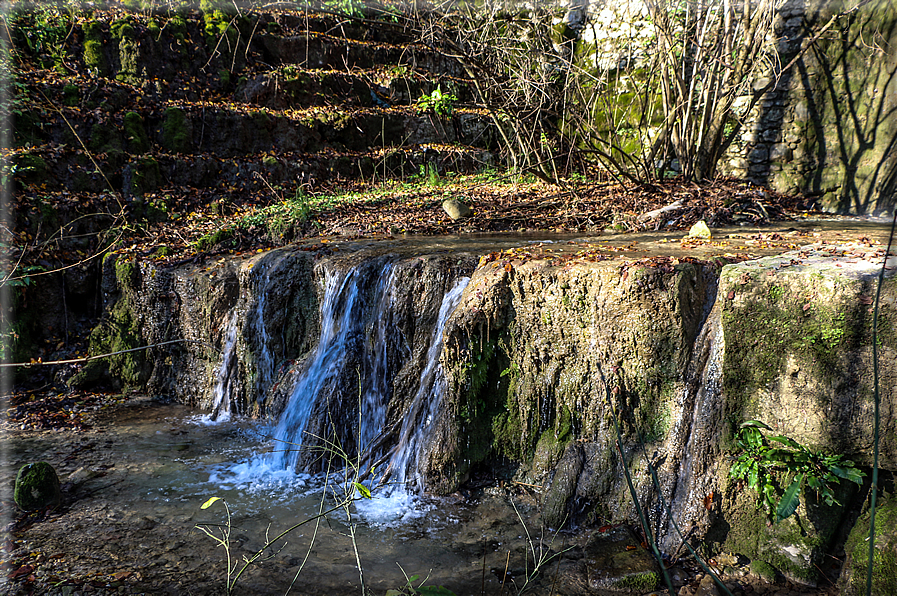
{"type": "Point", "coordinates": [540, 357]}
{"type": "Point", "coordinates": [544, 360]}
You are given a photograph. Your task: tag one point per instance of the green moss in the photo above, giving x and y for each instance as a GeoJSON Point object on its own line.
{"type": "Point", "coordinates": [123, 29]}
{"type": "Point", "coordinates": [210, 240]}
{"type": "Point", "coordinates": [70, 94]}
{"type": "Point", "coordinates": [638, 582]}
{"type": "Point", "coordinates": [95, 57]}
{"type": "Point", "coordinates": [769, 326]}
{"type": "Point", "coordinates": [135, 134]}
{"type": "Point", "coordinates": [797, 545]}
{"type": "Point", "coordinates": [884, 562]}
{"type": "Point", "coordinates": [93, 31]}
{"type": "Point", "coordinates": [128, 53]}
{"type": "Point", "coordinates": [118, 331]}
{"type": "Point", "coordinates": [126, 271]}
{"type": "Point", "coordinates": [153, 28]}
{"type": "Point", "coordinates": [766, 571]}
{"type": "Point", "coordinates": [178, 27]}
{"type": "Point", "coordinates": [175, 133]}
{"type": "Point", "coordinates": [37, 486]}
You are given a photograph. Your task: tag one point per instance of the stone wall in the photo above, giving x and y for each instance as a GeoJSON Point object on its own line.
{"type": "Point", "coordinates": [829, 127]}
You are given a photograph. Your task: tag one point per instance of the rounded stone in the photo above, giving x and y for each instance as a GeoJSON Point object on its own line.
{"type": "Point", "coordinates": [37, 487]}
{"type": "Point", "coordinates": [456, 209]}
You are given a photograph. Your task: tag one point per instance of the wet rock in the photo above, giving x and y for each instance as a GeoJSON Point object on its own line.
{"type": "Point", "coordinates": [614, 562]}
{"type": "Point", "coordinates": [555, 508]}
{"type": "Point", "coordinates": [708, 587]}
{"type": "Point", "coordinates": [37, 486]}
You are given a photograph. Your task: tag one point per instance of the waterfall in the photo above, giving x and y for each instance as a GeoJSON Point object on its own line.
{"type": "Point", "coordinates": [352, 353]}
{"type": "Point", "coordinates": [416, 424]}
{"type": "Point", "coordinates": [265, 363]}
{"type": "Point", "coordinates": [225, 376]}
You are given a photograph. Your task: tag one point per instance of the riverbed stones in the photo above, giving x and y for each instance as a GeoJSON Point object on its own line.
{"type": "Point", "coordinates": [37, 487]}
{"type": "Point", "coordinates": [615, 562]}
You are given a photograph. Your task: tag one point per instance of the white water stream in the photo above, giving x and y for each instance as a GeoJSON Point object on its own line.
{"type": "Point", "coordinates": [357, 333]}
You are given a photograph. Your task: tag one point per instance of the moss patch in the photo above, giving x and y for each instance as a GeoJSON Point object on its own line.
{"type": "Point", "coordinates": [797, 545]}
{"type": "Point", "coordinates": [119, 330]}
{"type": "Point", "coordinates": [175, 130]}
{"type": "Point", "coordinates": [37, 486]}
{"type": "Point", "coordinates": [135, 133]}
{"type": "Point", "coordinates": [884, 570]}
{"type": "Point", "coordinates": [812, 322]}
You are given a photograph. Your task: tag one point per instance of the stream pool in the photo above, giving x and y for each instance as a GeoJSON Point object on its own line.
{"type": "Point", "coordinates": [135, 481]}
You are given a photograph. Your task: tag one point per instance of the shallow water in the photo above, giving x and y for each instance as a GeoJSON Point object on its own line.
{"type": "Point", "coordinates": [135, 482]}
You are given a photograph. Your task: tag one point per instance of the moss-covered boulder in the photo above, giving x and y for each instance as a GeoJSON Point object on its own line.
{"type": "Point", "coordinates": [118, 332]}
{"type": "Point", "coordinates": [856, 551]}
{"type": "Point", "coordinates": [796, 546]}
{"type": "Point", "coordinates": [37, 487]}
{"type": "Point", "coordinates": [798, 348]}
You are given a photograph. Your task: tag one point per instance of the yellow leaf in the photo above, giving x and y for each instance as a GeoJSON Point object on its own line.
{"type": "Point", "coordinates": [210, 502]}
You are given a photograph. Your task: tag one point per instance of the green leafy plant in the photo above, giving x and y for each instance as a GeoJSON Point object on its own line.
{"type": "Point", "coordinates": [763, 460]}
{"type": "Point", "coordinates": [352, 8]}
{"type": "Point", "coordinates": [442, 104]}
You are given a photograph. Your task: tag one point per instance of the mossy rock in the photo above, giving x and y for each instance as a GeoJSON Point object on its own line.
{"type": "Point", "coordinates": [118, 331]}
{"type": "Point", "coordinates": [856, 550]}
{"type": "Point", "coordinates": [37, 487]}
{"type": "Point", "coordinates": [128, 54]}
{"type": "Point", "coordinates": [795, 546]}
{"type": "Point", "coordinates": [94, 53]}
{"type": "Point", "coordinates": [135, 133]}
{"type": "Point", "coordinates": [175, 130]}
{"type": "Point", "coordinates": [31, 168]}
{"type": "Point", "coordinates": [764, 570]}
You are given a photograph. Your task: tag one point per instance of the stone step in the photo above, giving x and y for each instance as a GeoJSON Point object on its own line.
{"type": "Point", "coordinates": [146, 55]}
{"type": "Point", "coordinates": [316, 50]}
{"type": "Point", "coordinates": [239, 130]}
{"type": "Point", "coordinates": [290, 87]}
{"type": "Point", "coordinates": [47, 168]}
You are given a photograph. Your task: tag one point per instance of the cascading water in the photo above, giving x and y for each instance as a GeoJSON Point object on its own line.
{"type": "Point", "coordinates": [416, 424]}
{"type": "Point", "coordinates": [354, 340]}
{"type": "Point", "coordinates": [698, 426]}
{"type": "Point", "coordinates": [345, 389]}
{"type": "Point", "coordinates": [225, 380]}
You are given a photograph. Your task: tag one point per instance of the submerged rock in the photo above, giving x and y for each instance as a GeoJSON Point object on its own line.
{"type": "Point", "coordinates": [615, 562]}
{"type": "Point", "coordinates": [37, 486]}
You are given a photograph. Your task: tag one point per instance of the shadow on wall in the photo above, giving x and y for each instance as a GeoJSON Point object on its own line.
{"type": "Point", "coordinates": [830, 126]}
